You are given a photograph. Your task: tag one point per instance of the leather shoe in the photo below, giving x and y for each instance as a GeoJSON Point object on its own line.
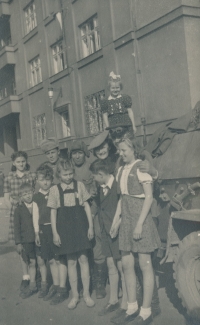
{"type": "Point", "coordinates": [125, 319]}
{"type": "Point", "coordinates": [120, 313]}
{"type": "Point", "coordinates": [109, 308]}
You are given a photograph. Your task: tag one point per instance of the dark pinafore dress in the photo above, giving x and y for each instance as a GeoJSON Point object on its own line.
{"type": "Point", "coordinates": [72, 225]}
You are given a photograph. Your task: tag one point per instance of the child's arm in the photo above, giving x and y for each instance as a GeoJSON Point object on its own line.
{"type": "Point", "coordinates": [105, 119]}
{"type": "Point", "coordinates": [56, 237]}
{"type": "Point", "coordinates": [36, 223]}
{"type": "Point", "coordinates": [7, 200]}
{"type": "Point", "coordinates": [116, 221]}
{"type": "Point", "coordinates": [145, 210]}
{"type": "Point", "coordinates": [131, 115]}
{"type": "Point", "coordinates": [90, 220]}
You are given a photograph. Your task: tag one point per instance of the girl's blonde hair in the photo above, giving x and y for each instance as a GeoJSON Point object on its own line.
{"type": "Point", "coordinates": [132, 143]}
{"type": "Point", "coordinates": [63, 164]}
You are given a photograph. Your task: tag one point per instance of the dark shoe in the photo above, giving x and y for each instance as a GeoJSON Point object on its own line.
{"type": "Point", "coordinates": [139, 320]}
{"type": "Point", "coordinates": [24, 285]}
{"type": "Point", "coordinates": [125, 319]}
{"type": "Point", "coordinates": [28, 293]}
{"type": "Point", "coordinates": [109, 308]}
{"type": "Point", "coordinates": [51, 293]}
{"type": "Point", "coordinates": [120, 313]}
{"type": "Point", "coordinates": [59, 297]}
{"type": "Point", "coordinates": [43, 291]}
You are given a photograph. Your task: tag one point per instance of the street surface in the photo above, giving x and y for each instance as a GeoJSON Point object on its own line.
{"type": "Point", "coordinates": [34, 311]}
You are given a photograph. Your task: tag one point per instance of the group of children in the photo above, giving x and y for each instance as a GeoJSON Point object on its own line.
{"type": "Point", "coordinates": [55, 224]}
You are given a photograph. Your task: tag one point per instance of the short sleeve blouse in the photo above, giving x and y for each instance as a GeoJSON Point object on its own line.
{"type": "Point", "coordinates": [142, 177]}
{"type": "Point", "coordinates": [116, 105]}
{"type": "Point", "coordinates": [69, 198]}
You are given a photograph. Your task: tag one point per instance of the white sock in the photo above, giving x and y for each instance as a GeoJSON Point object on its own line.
{"type": "Point", "coordinates": [145, 312]}
{"type": "Point", "coordinates": [132, 308]}
{"type": "Point", "coordinates": [26, 277]}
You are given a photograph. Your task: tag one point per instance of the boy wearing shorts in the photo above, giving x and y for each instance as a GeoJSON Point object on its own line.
{"type": "Point", "coordinates": [25, 236]}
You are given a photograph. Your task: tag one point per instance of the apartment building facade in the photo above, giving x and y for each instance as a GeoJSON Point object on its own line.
{"type": "Point", "coordinates": [56, 55]}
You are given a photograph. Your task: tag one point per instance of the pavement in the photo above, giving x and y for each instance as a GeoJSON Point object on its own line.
{"type": "Point", "coordinates": [34, 311]}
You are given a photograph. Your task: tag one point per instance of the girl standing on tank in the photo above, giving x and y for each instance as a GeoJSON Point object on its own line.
{"type": "Point", "coordinates": [117, 109]}
{"type": "Point", "coordinates": [72, 228]}
{"type": "Point", "coordinates": [137, 233]}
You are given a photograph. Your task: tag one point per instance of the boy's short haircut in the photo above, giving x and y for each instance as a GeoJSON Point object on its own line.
{"type": "Point", "coordinates": [99, 165]}
{"type": "Point", "coordinates": [25, 187]}
{"type": "Point", "coordinates": [45, 170]}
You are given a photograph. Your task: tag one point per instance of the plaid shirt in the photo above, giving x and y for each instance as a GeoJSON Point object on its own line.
{"type": "Point", "coordinates": [12, 182]}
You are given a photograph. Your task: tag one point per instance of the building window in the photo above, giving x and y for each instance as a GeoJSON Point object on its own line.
{"type": "Point", "coordinates": [58, 57]}
{"type": "Point", "coordinates": [30, 18]}
{"type": "Point", "coordinates": [36, 74]}
{"type": "Point", "coordinates": [90, 38]}
{"type": "Point", "coordinates": [94, 118]}
{"type": "Point", "coordinates": [39, 129]}
{"type": "Point", "coordinates": [63, 129]}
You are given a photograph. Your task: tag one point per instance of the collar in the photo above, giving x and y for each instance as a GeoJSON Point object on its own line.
{"type": "Point", "coordinates": [28, 205]}
{"type": "Point", "coordinates": [67, 186]}
{"type": "Point", "coordinates": [110, 97]}
{"type": "Point", "coordinates": [43, 192]}
{"type": "Point", "coordinates": [25, 174]}
{"type": "Point", "coordinates": [129, 166]}
{"type": "Point", "coordinates": [109, 183]}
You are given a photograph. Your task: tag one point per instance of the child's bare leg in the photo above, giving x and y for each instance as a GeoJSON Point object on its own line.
{"type": "Point", "coordinates": [85, 273]}
{"type": "Point", "coordinates": [148, 279]}
{"type": "Point", "coordinates": [124, 296]}
{"type": "Point", "coordinates": [62, 269]}
{"type": "Point", "coordinates": [25, 271]}
{"type": "Point", "coordinates": [130, 281]}
{"type": "Point", "coordinates": [113, 279]}
{"type": "Point", "coordinates": [43, 269]}
{"type": "Point", "coordinates": [32, 273]}
{"type": "Point", "coordinates": [54, 272]}
{"type": "Point", "coordinates": [85, 276]}
{"type": "Point", "coordinates": [72, 270]}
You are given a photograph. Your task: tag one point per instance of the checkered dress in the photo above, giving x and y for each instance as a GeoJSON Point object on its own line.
{"type": "Point", "coordinates": [12, 182]}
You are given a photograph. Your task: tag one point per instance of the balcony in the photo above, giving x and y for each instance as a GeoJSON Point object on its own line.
{"type": "Point", "coordinates": [4, 8]}
{"type": "Point", "coordinates": [9, 105]}
{"type": "Point", "coordinates": [7, 56]}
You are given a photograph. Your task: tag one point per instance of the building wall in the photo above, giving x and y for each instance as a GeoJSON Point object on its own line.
{"type": "Point", "coordinates": [153, 44]}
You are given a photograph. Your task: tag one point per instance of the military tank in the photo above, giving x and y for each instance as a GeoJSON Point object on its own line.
{"type": "Point", "coordinates": [177, 159]}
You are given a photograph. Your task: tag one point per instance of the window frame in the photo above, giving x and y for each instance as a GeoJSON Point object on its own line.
{"type": "Point", "coordinates": [34, 80]}
{"type": "Point", "coordinates": [59, 122]}
{"type": "Point", "coordinates": [30, 18]}
{"type": "Point", "coordinates": [38, 129]}
{"type": "Point", "coordinates": [90, 46]}
{"type": "Point", "coordinates": [56, 68]}
{"type": "Point", "coordinates": [93, 113]}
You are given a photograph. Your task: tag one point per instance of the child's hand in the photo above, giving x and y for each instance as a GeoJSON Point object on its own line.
{"type": "Point", "coordinates": [134, 129]}
{"type": "Point", "coordinates": [114, 231]}
{"type": "Point", "coordinates": [19, 248]}
{"type": "Point", "coordinates": [90, 233]}
{"type": "Point", "coordinates": [37, 240]}
{"type": "Point", "coordinates": [137, 234]}
{"type": "Point", "coordinates": [56, 240]}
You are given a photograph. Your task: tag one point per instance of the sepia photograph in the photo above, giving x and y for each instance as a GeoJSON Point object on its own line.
{"type": "Point", "coordinates": [99, 162]}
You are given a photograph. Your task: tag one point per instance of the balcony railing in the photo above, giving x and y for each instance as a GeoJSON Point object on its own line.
{"type": "Point", "coordinates": [5, 42]}
{"type": "Point", "coordinates": [8, 91]}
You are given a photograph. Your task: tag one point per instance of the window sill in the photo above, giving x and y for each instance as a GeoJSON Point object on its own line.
{"type": "Point", "coordinates": [122, 40]}
{"type": "Point", "coordinates": [49, 19]}
{"type": "Point", "coordinates": [28, 36]}
{"type": "Point", "coordinates": [90, 58]}
{"type": "Point", "coordinates": [59, 75]}
{"type": "Point", "coordinates": [35, 88]}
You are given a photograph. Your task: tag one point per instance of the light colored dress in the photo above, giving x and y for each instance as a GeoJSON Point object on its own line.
{"type": "Point", "coordinates": [132, 199]}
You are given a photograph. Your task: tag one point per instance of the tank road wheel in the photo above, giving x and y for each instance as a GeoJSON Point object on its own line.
{"type": "Point", "coordinates": [187, 273]}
